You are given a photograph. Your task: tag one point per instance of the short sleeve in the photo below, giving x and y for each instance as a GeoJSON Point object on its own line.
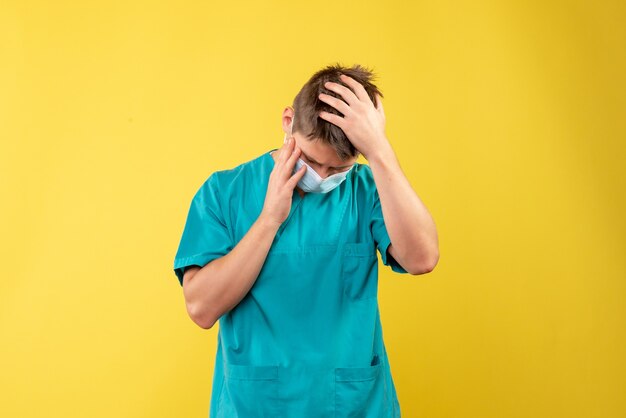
{"type": "Point", "coordinates": [381, 237]}
{"type": "Point", "coordinates": [205, 235]}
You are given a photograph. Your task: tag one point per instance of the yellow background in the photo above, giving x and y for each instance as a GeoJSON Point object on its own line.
{"type": "Point", "coordinates": [508, 119]}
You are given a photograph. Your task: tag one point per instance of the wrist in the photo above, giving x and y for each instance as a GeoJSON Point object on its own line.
{"type": "Point", "coordinates": [268, 223]}
{"type": "Point", "coordinates": [383, 155]}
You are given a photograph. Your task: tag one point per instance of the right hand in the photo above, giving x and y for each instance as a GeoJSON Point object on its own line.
{"type": "Point", "coordinates": [281, 183]}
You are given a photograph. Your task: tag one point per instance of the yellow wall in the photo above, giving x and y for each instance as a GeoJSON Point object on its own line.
{"type": "Point", "coordinates": [508, 119]}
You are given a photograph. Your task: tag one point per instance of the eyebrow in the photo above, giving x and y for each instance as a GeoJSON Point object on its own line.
{"type": "Point", "coordinates": [313, 161]}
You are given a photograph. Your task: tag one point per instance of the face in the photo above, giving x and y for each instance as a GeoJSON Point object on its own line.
{"type": "Point", "coordinates": [320, 156]}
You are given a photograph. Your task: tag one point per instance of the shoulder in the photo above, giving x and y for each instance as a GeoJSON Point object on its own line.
{"type": "Point", "coordinates": [363, 187]}
{"type": "Point", "coordinates": [362, 175]}
{"type": "Point", "coordinates": [228, 177]}
{"type": "Point", "coordinates": [225, 181]}
{"type": "Point", "coordinates": [363, 180]}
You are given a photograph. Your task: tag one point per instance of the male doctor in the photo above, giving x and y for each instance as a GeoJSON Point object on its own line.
{"type": "Point", "coordinates": [281, 250]}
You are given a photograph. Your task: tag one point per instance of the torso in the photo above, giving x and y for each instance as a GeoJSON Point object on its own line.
{"type": "Point", "coordinates": [307, 339]}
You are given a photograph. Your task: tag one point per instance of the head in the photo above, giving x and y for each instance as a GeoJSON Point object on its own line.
{"type": "Point", "coordinates": [324, 146]}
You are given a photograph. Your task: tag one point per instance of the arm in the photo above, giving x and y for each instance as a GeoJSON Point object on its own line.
{"type": "Point", "coordinates": [409, 225]}
{"type": "Point", "coordinates": [220, 285]}
{"type": "Point", "coordinates": [411, 229]}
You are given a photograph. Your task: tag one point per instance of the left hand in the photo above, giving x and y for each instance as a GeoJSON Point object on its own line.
{"type": "Point", "coordinates": [362, 121]}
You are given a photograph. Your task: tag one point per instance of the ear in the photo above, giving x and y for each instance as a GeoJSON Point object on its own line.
{"type": "Point", "coordinates": [287, 119]}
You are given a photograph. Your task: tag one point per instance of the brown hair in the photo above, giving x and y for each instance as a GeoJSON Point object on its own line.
{"type": "Point", "coordinates": [307, 106]}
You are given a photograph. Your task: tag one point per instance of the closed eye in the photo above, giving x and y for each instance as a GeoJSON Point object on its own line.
{"type": "Point", "coordinates": [334, 170]}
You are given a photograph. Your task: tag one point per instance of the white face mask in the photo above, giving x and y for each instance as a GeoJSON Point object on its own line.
{"type": "Point", "coordinates": [311, 182]}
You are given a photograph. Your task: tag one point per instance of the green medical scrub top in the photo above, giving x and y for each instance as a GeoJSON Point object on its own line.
{"type": "Point", "coordinates": [306, 340]}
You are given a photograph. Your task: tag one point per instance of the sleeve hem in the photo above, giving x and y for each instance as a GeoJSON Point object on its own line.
{"type": "Point", "coordinates": [199, 259]}
{"type": "Point", "coordinates": [388, 259]}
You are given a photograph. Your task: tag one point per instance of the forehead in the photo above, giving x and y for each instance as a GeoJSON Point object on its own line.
{"type": "Point", "coordinates": [321, 153]}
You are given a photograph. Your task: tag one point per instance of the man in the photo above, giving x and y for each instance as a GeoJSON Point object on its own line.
{"type": "Point", "coordinates": [282, 251]}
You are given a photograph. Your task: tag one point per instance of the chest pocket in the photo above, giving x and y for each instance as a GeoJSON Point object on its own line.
{"type": "Point", "coordinates": [359, 270]}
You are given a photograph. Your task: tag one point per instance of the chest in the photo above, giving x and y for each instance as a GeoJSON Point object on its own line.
{"type": "Point", "coordinates": [314, 219]}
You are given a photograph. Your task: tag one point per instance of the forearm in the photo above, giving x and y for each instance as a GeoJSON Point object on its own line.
{"type": "Point", "coordinates": [410, 226]}
{"type": "Point", "coordinates": [221, 284]}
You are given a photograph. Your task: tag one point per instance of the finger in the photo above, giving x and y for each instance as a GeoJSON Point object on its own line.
{"type": "Point", "coordinates": [359, 90]}
{"type": "Point", "coordinates": [332, 118]}
{"type": "Point", "coordinates": [291, 162]}
{"type": "Point", "coordinates": [338, 104]}
{"type": "Point", "coordinates": [286, 150]}
{"type": "Point", "coordinates": [343, 91]}
{"type": "Point", "coordinates": [293, 181]}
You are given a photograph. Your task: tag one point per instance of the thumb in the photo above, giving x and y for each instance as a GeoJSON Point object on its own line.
{"type": "Point", "coordinates": [379, 105]}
